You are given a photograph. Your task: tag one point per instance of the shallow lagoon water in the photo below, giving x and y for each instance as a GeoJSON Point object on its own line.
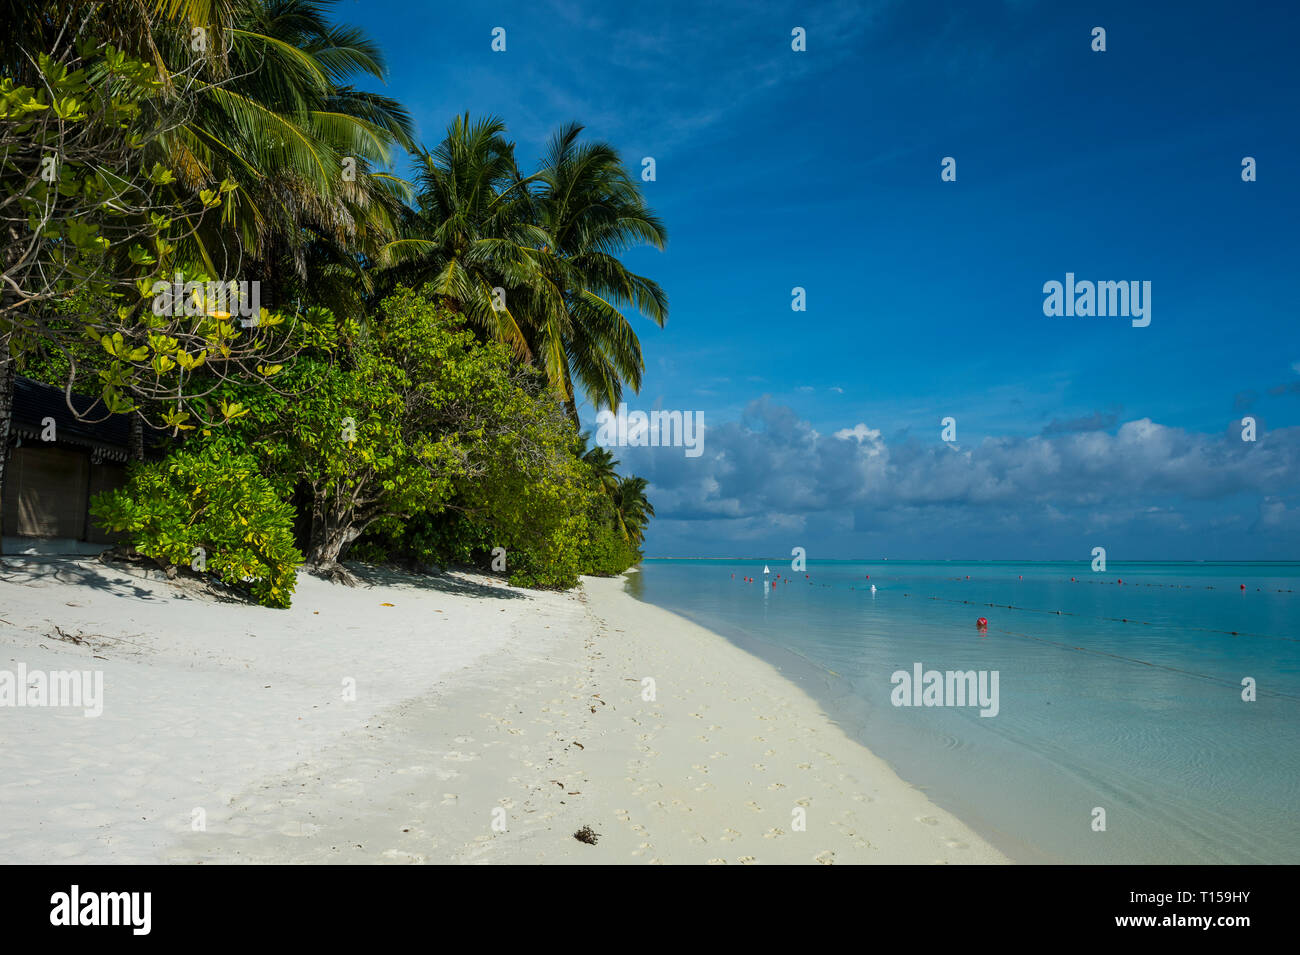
{"type": "Point", "coordinates": [1128, 700]}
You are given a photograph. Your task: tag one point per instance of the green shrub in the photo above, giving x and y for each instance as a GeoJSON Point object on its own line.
{"type": "Point", "coordinates": [606, 553]}
{"type": "Point", "coordinates": [214, 501]}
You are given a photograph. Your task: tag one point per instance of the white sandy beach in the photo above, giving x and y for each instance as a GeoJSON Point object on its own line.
{"type": "Point", "coordinates": [489, 724]}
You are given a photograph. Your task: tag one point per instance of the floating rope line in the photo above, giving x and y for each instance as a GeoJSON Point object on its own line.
{"type": "Point", "coordinates": [1148, 663]}
{"type": "Point", "coordinates": [1141, 583]}
{"type": "Point", "coordinates": [1144, 623]}
{"type": "Point", "coordinates": [1103, 653]}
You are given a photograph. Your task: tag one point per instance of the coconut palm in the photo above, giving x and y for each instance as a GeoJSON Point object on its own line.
{"type": "Point", "coordinates": [471, 231]}
{"type": "Point", "coordinates": [534, 261]}
{"type": "Point", "coordinates": [592, 210]}
{"type": "Point", "coordinates": [633, 507]}
{"type": "Point", "coordinates": [274, 112]}
{"type": "Point", "coordinates": [602, 463]}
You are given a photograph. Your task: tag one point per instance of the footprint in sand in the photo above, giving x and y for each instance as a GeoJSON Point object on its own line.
{"type": "Point", "coordinates": [954, 844]}
{"type": "Point", "coordinates": [449, 798]}
{"type": "Point", "coordinates": [717, 862]}
{"type": "Point", "coordinates": [754, 806]}
{"type": "Point", "coordinates": [776, 786]}
{"type": "Point", "coordinates": [746, 860]}
{"type": "Point", "coordinates": [825, 858]}
{"type": "Point", "coordinates": [773, 833]}
{"type": "Point", "coordinates": [700, 766]}
{"type": "Point", "coordinates": [729, 835]}
{"type": "Point", "coordinates": [459, 757]}
{"type": "Point", "coordinates": [760, 767]}
{"type": "Point", "coordinates": [928, 820]}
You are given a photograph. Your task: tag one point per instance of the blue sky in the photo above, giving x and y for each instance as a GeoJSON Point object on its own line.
{"type": "Point", "coordinates": [821, 169]}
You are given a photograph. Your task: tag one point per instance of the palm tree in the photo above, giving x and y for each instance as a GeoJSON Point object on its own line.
{"type": "Point", "coordinates": [471, 230]}
{"type": "Point", "coordinates": [265, 102]}
{"type": "Point", "coordinates": [634, 509]}
{"type": "Point", "coordinates": [550, 242]}
{"type": "Point", "coordinates": [603, 463]}
{"type": "Point", "coordinates": [274, 112]}
{"type": "Point", "coordinates": [593, 211]}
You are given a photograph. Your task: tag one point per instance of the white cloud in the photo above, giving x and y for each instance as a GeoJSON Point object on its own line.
{"type": "Point", "coordinates": [771, 468]}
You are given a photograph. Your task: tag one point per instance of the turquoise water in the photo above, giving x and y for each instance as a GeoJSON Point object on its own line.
{"type": "Point", "coordinates": [1129, 699]}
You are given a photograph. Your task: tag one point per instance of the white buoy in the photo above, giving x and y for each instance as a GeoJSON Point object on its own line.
{"type": "Point", "coordinates": [765, 570]}
{"type": "Point", "coordinates": [873, 588]}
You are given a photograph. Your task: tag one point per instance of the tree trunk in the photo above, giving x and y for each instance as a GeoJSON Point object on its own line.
{"type": "Point", "coordinates": [331, 532]}
{"type": "Point", "coordinates": [328, 545]}
{"type": "Point", "coordinates": [8, 377]}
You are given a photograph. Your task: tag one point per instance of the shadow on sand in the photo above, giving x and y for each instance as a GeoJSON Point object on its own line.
{"type": "Point", "coordinates": [116, 578]}
{"type": "Point", "coordinates": [28, 570]}
{"type": "Point", "coordinates": [466, 581]}
{"type": "Point", "coordinates": [121, 579]}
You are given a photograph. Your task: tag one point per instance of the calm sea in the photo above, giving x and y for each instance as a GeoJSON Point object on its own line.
{"type": "Point", "coordinates": [1124, 697]}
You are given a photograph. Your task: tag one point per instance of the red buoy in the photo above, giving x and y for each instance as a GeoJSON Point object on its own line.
{"type": "Point", "coordinates": [1243, 586]}
{"type": "Point", "coordinates": [982, 623]}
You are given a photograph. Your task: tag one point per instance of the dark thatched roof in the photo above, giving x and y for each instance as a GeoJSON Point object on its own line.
{"type": "Point", "coordinates": [34, 402]}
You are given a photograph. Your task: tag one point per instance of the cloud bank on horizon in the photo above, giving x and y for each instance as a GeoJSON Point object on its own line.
{"type": "Point", "coordinates": [770, 481]}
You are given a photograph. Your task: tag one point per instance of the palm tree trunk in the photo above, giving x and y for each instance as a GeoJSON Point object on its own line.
{"type": "Point", "coordinates": [8, 378]}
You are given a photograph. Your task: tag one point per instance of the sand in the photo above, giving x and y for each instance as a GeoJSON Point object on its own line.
{"type": "Point", "coordinates": [489, 725]}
